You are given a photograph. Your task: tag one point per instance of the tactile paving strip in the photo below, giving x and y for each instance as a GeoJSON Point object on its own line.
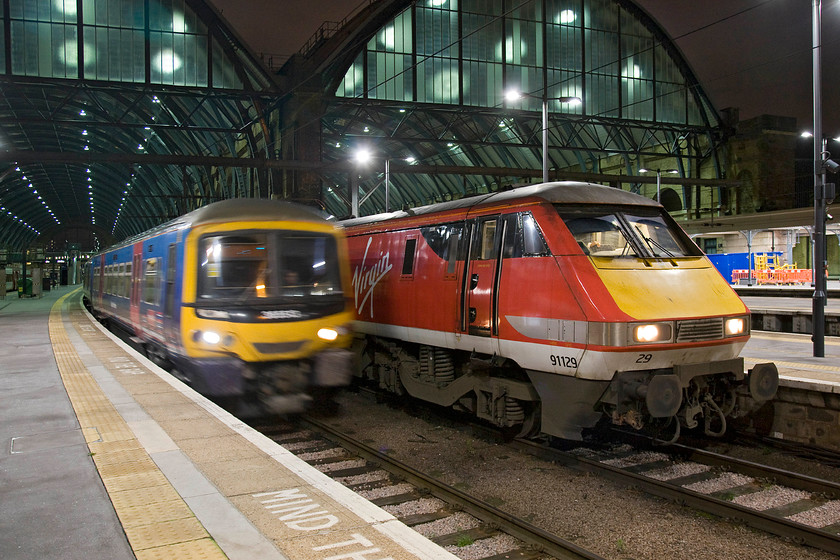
{"type": "Point", "coordinates": [157, 522]}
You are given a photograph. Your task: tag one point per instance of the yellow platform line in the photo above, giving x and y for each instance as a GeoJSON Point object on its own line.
{"type": "Point", "coordinates": [156, 520]}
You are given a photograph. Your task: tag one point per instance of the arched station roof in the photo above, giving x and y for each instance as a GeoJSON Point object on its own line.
{"type": "Point", "coordinates": [118, 115]}
{"type": "Point", "coordinates": [422, 84]}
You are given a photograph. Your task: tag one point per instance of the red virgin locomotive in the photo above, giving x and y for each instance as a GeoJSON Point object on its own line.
{"type": "Point", "coordinates": [550, 308]}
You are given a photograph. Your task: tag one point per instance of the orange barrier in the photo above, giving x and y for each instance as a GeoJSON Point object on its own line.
{"type": "Point", "coordinates": [774, 276]}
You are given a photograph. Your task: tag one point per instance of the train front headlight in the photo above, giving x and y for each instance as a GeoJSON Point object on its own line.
{"type": "Point", "coordinates": [327, 334]}
{"type": "Point", "coordinates": [651, 332]}
{"type": "Point", "coordinates": [735, 326]}
{"type": "Point", "coordinates": [331, 334]}
{"type": "Point", "coordinates": [210, 337]}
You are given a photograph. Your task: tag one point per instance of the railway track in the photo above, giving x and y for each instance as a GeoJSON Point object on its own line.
{"type": "Point", "coordinates": [795, 506]}
{"type": "Point", "coordinates": [422, 502]}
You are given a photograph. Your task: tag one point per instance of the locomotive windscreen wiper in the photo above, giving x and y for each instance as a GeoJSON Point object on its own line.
{"type": "Point", "coordinates": [651, 242]}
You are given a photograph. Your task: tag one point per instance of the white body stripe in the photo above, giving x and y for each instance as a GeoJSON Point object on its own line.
{"type": "Point", "coordinates": [564, 360]}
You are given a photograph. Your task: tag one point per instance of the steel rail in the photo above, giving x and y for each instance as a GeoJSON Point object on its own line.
{"type": "Point", "coordinates": [542, 540]}
{"type": "Point", "coordinates": [776, 525]}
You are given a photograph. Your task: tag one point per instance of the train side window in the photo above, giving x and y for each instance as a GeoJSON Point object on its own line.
{"type": "Point", "coordinates": [456, 236]}
{"type": "Point", "coordinates": [532, 237]}
{"type": "Point", "coordinates": [151, 281]}
{"type": "Point", "coordinates": [523, 237]}
{"type": "Point", "coordinates": [485, 242]}
{"type": "Point", "coordinates": [408, 257]}
{"type": "Point", "coordinates": [446, 240]}
{"type": "Point", "coordinates": [170, 282]}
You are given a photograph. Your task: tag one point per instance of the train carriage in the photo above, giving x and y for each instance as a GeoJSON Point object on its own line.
{"type": "Point", "coordinates": [243, 298]}
{"type": "Point", "coordinates": [550, 308]}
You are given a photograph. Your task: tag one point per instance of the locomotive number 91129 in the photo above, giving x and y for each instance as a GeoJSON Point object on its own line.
{"type": "Point", "coordinates": [564, 361]}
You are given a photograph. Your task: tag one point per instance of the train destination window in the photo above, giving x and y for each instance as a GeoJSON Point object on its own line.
{"type": "Point", "coordinates": [632, 232]}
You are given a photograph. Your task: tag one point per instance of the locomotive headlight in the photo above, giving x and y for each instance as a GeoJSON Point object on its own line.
{"type": "Point", "coordinates": [327, 334]}
{"type": "Point", "coordinates": [735, 326]}
{"type": "Point", "coordinates": [210, 337]}
{"type": "Point", "coordinates": [652, 332]}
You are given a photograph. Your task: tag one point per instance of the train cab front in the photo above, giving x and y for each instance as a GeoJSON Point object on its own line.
{"type": "Point", "coordinates": [270, 320]}
{"type": "Point", "coordinates": [670, 328]}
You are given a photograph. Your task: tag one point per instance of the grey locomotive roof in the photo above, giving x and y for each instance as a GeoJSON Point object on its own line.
{"type": "Point", "coordinates": [257, 209]}
{"type": "Point", "coordinates": [561, 192]}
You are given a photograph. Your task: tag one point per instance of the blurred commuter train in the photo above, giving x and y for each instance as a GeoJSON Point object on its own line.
{"type": "Point", "coordinates": [243, 298]}
{"type": "Point", "coordinates": [550, 308]}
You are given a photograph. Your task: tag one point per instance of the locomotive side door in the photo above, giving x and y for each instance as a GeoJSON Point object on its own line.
{"type": "Point", "coordinates": [479, 314]}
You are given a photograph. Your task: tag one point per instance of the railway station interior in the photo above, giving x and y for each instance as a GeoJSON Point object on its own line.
{"type": "Point", "coordinates": [117, 116]}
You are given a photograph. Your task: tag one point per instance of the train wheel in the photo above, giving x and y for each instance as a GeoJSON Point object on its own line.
{"type": "Point", "coordinates": [664, 431]}
{"type": "Point", "coordinates": [531, 426]}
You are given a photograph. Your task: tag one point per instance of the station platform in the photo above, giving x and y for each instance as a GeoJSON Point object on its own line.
{"type": "Point", "coordinates": [790, 308]}
{"type": "Point", "coordinates": [107, 456]}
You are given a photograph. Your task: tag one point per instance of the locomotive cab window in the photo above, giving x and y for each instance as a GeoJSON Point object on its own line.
{"type": "Point", "coordinates": [643, 232]}
{"type": "Point", "coordinates": [254, 266]}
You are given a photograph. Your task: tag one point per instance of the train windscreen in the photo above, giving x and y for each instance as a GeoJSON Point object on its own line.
{"type": "Point", "coordinates": [627, 232]}
{"type": "Point", "coordinates": [275, 265]}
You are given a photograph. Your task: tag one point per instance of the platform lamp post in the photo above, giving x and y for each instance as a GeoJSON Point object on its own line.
{"type": "Point", "coordinates": [659, 173]}
{"type": "Point", "coordinates": [512, 95]}
{"type": "Point", "coordinates": [818, 309]}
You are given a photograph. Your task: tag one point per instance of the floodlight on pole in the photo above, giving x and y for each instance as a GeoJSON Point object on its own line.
{"type": "Point", "coordinates": [659, 173]}
{"type": "Point", "coordinates": [513, 95]}
{"type": "Point", "coordinates": [363, 156]}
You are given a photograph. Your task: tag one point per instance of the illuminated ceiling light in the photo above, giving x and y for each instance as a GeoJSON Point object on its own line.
{"type": "Point", "coordinates": [632, 72]}
{"type": "Point", "coordinates": [84, 133]}
{"type": "Point", "coordinates": [566, 17]}
{"type": "Point", "coordinates": [140, 147]}
{"type": "Point", "coordinates": [66, 6]}
{"type": "Point", "coordinates": [167, 61]}
{"type": "Point", "coordinates": [82, 113]}
{"type": "Point", "coordinates": [179, 23]}
{"type": "Point", "coordinates": [363, 156]}
{"type": "Point", "coordinates": [387, 38]}
{"type": "Point", "coordinates": [87, 147]}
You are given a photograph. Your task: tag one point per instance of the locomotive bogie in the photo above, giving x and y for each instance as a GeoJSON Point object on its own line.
{"type": "Point", "coordinates": [584, 302]}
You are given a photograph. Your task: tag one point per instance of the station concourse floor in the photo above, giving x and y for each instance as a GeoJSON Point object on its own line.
{"type": "Point", "coordinates": [107, 456]}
